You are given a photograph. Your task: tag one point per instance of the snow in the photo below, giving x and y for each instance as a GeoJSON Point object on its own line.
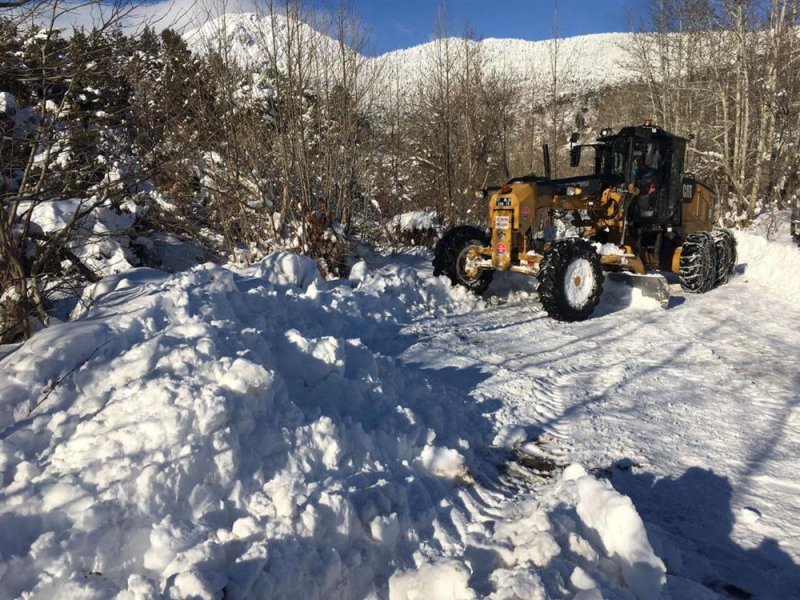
{"type": "Point", "coordinates": [443, 462]}
{"type": "Point", "coordinates": [585, 62]}
{"type": "Point", "coordinates": [690, 412]}
{"type": "Point", "coordinates": [54, 216]}
{"type": "Point", "coordinates": [8, 103]}
{"type": "Point", "coordinates": [249, 35]}
{"type": "Point", "coordinates": [358, 272]}
{"type": "Point", "coordinates": [262, 433]}
{"type": "Point", "coordinates": [101, 242]}
{"type": "Point", "coordinates": [609, 250]}
{"type": "Point", "coordinates": [188, 416]}
{"type": "Point", "coordinates": [418, 220]}
{"type": "Point", "coordinates": [618, 295]}
{"type": "Point", "coordinates": [622, 533]}
{"type": "Point", "coordinates": [767, 263]}
{"type": "Point", "coordinates": [443, 580]}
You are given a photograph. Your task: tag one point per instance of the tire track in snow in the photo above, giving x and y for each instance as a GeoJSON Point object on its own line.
{"type": "Point", "coordinates": [529, 394]}
{"type": "Point", "coordinates": [708, 386]}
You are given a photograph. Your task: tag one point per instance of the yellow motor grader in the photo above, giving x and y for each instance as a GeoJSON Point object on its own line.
{"type": "Point", "coordinates": [635, 215]}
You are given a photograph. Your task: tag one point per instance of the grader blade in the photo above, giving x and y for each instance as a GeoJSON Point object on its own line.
{"type": "Point", "coordinates": [651, 285]}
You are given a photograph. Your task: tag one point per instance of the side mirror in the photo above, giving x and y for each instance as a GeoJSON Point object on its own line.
{"type": "Point", "coordinates": [575, 156]}
{"type": "Point", "coordinates": [574, 137]}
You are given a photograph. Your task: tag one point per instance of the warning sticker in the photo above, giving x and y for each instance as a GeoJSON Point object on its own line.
{"type": "Point", "coordinates": [501, 248]}
{"type": "Point", "coordinates": [502, 222]}
{"type": "Point", "coordinates": [526, 212]}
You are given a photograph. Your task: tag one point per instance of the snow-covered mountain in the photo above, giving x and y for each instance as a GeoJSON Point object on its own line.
{"type": "Point", "coordinates": [248, 37]}
{"type": "Point", "coordinates": [583, 62]}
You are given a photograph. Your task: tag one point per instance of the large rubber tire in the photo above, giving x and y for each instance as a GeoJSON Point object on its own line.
{"type": "Point", "coordinates": [725, 254]}
{"type": "Point", "coordinates": [722, 257]}
{"type": "Point", "coordinates": [733, 255]}
{"type": "Point", "coordinates": [450, 254]}
{"type": "Point", "coordinates": [570, 280]}
{"type": "Point", "coordinates": [698, 271]}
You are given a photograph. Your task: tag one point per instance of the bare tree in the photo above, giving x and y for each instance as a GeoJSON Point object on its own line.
{"type": "Point", "coordinates": [738, 110]}
{"type": "Point", "coordinates": [557, 105]}
{"type": "Point", "coordinates": [42, 129]}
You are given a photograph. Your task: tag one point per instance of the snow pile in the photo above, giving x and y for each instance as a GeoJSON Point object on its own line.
{"type": "Point", "coordinates": [257, 434]}
{"type": "Point", "coordinates": [443, 580]}
{"type": "Point", "coordinates": [418, 220]}
{"type": "Point", "coordinates": [609, 249]}
{"type": "Point", "coordinates": [8, 103]}
{"type": "Point", "coordinates": [101, 242]}
{"type": "Point", "coordinates": [621, 532]}
{"type": "Point", "coordinates": [619, 294]}
{"type": "Point", "coordinates": [15, 120]}
{"type": "Point", "coordinates": [443, 462]}
{"type": "Point", "coordinates": [581, 536]}
{"type": "Point", "coordinates": [768, 262]}
{"type": "Point", "coordinates": [187, 421]}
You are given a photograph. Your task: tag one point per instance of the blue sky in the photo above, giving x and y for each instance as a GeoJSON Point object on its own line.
{"type": "Point", "coordinates": [404, 23]}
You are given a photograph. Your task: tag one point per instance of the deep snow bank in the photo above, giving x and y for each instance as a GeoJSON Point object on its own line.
{"type": "Point", "coordinates": [775, 264]}
{"type": "Point", "coordinates": [253, 434]}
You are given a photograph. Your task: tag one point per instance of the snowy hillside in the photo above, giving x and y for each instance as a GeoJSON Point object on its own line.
{"type": "Point", "coordinates": [247, 35]}
{"type": "Point", "coordinates": [261, 433]}
{"type": "Point", "coordinates": [585, 62]}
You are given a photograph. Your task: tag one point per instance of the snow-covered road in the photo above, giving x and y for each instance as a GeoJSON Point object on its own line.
{"type": "Point", "coordinates": [693, 412]}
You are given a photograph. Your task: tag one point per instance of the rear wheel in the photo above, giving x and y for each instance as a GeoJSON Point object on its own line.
{"type": "Point", "coordinates": [450, 258]}
{"type": "Point", "coordinates": [722, 255]}
{"type": "Point", "coordinates": [733, 256]}
{"type": "Point", "coordinates": [570, 280]}
{"type": "Point", "coordinates": [698, 271]}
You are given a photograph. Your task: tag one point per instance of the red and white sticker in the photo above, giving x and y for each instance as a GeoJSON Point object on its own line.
{"type": "Point", "coordinates": [526, 212]}
{"type": "Point", "coordinates": [501, 248]}
{"type": "Point", "coordinates": [502, 222]}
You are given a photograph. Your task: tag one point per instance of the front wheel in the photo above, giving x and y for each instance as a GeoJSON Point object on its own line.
{"type": "Point", "coordinates": [570, 280]}
{"type": "Point", "coordinates": [450, 258]}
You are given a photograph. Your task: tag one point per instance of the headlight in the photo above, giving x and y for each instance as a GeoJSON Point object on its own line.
{"type": "Point", "coordinates": [573, 191]}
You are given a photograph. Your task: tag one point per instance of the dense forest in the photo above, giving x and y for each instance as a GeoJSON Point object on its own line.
{"type": "Point", "coordinates": [287, 135]}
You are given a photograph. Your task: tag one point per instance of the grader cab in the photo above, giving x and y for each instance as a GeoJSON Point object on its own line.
{"type": "Point", "coordinates": [636, 214]}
